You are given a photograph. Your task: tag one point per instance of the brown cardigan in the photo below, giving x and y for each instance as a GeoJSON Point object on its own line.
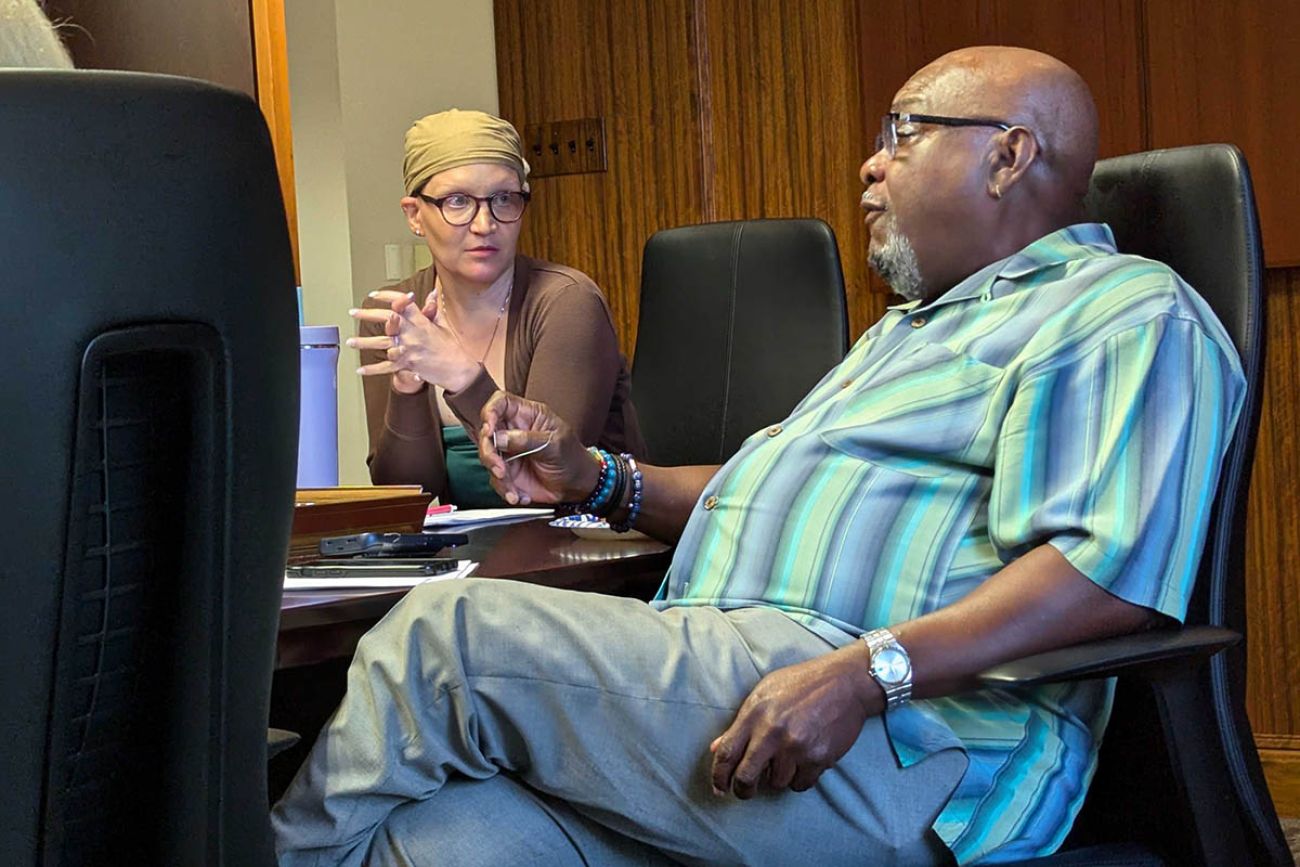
{"type": "Point", "coordinates": [561, 349]}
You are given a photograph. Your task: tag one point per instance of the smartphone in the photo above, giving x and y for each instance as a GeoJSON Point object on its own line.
{"type": "Point", "coordinates": [389, 544]}
{"type": "Point", "coordinates": [372, 568]}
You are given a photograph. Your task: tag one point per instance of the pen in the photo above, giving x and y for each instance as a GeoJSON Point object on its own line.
{"type": "Point", "coordinates": [441, 510]}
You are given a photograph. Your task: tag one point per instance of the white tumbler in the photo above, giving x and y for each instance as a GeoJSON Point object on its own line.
{"type": "Point", "coordinates": [318, 423]}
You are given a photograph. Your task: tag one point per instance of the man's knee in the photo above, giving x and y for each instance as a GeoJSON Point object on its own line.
{"type": "Point", "coordinates": [473, 823]}
{"type": "Point", "coordinates": [441, 631]}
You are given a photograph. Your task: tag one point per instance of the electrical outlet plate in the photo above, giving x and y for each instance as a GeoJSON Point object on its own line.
{"type": "Point", "coordinates": [565, 147]}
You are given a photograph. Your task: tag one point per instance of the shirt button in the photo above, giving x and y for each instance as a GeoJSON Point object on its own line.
{"type": "Point", "coordinates": [774, 430]}
{"type": "Point", "coordinates": [919, 322]}
{"type": "Point", "coordinates": [710, 503]}
{"type": "Point", "coordinates": [846, 383]}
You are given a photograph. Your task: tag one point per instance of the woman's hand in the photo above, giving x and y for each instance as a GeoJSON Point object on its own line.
{"type": "Point", "coordinates": [419, 347]}
{"type": "Point", "coordinates": [561, 470]}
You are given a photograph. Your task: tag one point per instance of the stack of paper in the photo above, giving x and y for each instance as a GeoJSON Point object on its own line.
{"type": "Point", "coordinates": [378, 582]}
{"type": "Point", "coordinates": [469, 519]}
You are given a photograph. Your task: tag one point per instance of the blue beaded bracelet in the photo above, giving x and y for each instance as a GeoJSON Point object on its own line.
{"type": "Point", "coordinates": [604, 483]}
{"type": "Point", "coordinates": [634, 507]}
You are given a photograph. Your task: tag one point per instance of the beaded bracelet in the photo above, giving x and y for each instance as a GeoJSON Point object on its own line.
{"type": "Point", "coordinates": [581, 506]}
{"type": "Point", "coordinates": [604, 489]}
{"type": "Point", "coordinates": [634, 507]}
{"type": "Point", "coordinates": [621, 478]}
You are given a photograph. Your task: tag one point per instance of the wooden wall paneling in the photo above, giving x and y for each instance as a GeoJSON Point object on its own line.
{"type": "Point", "coordinates": [1228, 71]}
{"type": "Point", "coordinates": [785, 134]}
{"type": "Point", "coordinates": [1101, 40]}
{"type": "Point", "coordinates": [272, 79]}
{"type": "Point", "coordinates": [1280, 758]}
{"type": "Point", "coordinates": [631, 62]}
{"type": "Point", "coordinates": [1282, 772]}
{"type": "Point", "coordinates": [1273, 529]}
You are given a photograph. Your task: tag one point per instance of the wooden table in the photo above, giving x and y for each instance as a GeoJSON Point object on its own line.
{"type": "Point", "coordinates": [317, 625]}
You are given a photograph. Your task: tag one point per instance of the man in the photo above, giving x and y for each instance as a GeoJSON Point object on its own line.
{"type": "Point", "coordinates": [1019, 458]}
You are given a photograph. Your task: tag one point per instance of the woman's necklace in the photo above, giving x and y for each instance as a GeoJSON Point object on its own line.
{"type": "Point", "coordinates": [505, 302]}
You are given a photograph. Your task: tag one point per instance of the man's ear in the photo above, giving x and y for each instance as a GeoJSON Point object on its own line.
{"type": "Point", "coordinates": [1014, 151]}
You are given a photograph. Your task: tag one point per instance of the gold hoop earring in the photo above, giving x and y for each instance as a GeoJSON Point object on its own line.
{"type": "Point", "coordinates": [997, 191]}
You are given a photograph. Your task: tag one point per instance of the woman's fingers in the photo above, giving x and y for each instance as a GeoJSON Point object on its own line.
{"type": "Point", "coordinates": [379, 367]}
{"type": "Point", "coordinates": [370, 314]}
{"type": "Point", "coordinates": [390, 296]}
{"type": "Point", "coordinates": [381, 342]}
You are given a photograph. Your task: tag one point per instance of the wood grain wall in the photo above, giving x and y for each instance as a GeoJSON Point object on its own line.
{"type": "Point", "coordinates": [731, 109]}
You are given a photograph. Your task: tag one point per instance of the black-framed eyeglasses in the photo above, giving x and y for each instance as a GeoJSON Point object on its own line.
{"type": "Point", "coordinates": [460, 209]}
{"type": "Point", "coordinates": [890, 134]}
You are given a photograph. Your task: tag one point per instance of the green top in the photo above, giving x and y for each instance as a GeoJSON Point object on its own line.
{"type": "Point", "coordinates": [467, 480]}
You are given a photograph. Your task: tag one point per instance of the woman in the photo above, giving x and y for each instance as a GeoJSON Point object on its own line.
{"type": "Point", "coordinates": [436, 346]}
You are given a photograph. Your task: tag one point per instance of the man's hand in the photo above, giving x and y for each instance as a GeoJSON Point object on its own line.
{"type": "Point", "coordinates": [551, 467]}
{"type": "Point", "coordinates": [797, 722]}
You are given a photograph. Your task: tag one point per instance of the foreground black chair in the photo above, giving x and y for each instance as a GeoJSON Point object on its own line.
{"type": "Point", "coordinates": [1178, 780]}
{"type": "Point", "coordinates": [151, 385]}
{"type": "Point", "coordinates": [738, 322]}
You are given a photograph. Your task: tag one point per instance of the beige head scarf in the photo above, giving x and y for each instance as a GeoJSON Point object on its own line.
{"type": "Point", "coordinates": [459, 138]}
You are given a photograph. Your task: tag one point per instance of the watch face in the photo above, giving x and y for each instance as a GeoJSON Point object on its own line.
{"type": "Point", "coordinates": [890, 665]}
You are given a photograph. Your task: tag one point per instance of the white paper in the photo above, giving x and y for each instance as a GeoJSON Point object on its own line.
{"type": "Point", "coordinates": [463, 519]}
{"type": "Point", "coordinates": [377, 582]}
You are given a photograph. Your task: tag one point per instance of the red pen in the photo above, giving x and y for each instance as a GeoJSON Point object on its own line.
{"type": "Point", "coordinates": [441, 510]}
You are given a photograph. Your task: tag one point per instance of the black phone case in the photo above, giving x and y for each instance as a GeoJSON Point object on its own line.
{"type": "Point", "coordinates": [389, 544]}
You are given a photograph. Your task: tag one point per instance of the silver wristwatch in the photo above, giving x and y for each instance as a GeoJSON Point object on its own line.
{"type": "Point", "coordinates": [890, 666]}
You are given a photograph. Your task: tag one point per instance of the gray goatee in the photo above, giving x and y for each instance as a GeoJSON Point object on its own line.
{"type": "Point", "coordinates": [895, 261]}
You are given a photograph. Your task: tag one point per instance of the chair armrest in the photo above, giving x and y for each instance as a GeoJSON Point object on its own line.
{"type": "Point", "coordinates": [1145, 654]}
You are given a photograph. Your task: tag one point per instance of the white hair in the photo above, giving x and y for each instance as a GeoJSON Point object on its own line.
{"type": "Point", "coordinates": [28, 39]}
{"type": "Point", "coordinates": [895, 260]}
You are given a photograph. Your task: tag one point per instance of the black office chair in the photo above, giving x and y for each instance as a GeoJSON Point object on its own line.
{"type": "Point", "coordinates": [1178, 780]}
{"type": "Point", "coordinates": [738, 322]}
{"type": "Point", "coordinates": [149, 458]}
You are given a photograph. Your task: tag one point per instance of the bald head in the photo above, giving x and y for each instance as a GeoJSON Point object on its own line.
{"type": "Point", "coordinates": [948, 195]}
{"type": "Point", "coordinates": [1029, 88]}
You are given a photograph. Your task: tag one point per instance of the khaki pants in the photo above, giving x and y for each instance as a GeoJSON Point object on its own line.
{"type": "Point", "coordinates": [597, 712]}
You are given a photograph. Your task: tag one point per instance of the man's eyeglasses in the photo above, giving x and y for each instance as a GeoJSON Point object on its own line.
{"type": "Point", "coordinates": [891, 134]}
{"type": "Point", "coordinates": [460, 209]}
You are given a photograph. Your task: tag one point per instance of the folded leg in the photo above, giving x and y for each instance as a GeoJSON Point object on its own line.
{"type": "Point", "coordinates": [600, 702]}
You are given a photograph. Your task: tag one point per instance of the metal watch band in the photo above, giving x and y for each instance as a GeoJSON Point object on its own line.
{"type": "Point", "coordinates": [895, 693]}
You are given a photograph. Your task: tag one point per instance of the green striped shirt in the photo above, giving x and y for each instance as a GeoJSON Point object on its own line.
{"type": "Point", "coordinates": [1067, 395]}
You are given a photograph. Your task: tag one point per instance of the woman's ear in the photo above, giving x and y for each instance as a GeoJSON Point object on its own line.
{"type": "Point", "coordinates": [1014, 151]}
{"type": "Point", "coordinates": [411, 207]}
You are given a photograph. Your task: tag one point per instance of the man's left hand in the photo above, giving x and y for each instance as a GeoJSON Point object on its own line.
{"type": "Point", "coordinates": [797, 722]}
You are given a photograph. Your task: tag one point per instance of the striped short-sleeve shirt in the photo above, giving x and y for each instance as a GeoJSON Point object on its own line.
{"type": "Point", "coordinates": [1067, 395]}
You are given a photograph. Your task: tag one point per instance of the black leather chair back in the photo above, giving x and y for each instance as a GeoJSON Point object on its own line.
{"type": "Point", "coordinates": [149, 455]}
{"type": "Point", "coordinates": [1193, 209]}
{"type": "Point", "coordinates": [738, 322]}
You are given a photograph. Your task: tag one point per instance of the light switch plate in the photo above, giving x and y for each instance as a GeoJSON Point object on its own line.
{"type": "Point", "coordinates": [565, 147]}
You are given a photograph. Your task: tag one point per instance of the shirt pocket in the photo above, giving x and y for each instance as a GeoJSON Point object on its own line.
{"type": "Point", "coordinates": [919, 413]}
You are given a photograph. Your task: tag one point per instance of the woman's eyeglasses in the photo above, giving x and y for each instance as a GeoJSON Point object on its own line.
{"type": "Point", "coordinates": [460, 209]}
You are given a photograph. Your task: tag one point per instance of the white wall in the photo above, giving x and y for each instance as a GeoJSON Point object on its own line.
{"type": "Point", "coordinates": [359, 73]}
